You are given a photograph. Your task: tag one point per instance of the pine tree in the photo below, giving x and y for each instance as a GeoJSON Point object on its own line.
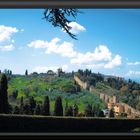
{"type": "Point", "coordinates": [4, 105]}
{"type": "Point", "coordinates": [46, 106]}
{"type": "Point", "coordinates": [58, 108]}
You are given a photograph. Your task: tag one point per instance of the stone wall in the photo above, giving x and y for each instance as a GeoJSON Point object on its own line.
{"type": "Point", "coordinates": [82, 84]}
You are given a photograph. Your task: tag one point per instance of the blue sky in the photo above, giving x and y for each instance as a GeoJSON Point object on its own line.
{"type": "Point", "coordinates": [108, 42]}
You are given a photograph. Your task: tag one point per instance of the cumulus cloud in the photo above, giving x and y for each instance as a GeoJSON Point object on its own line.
{"type": "Point", "coordinates": [133, 73]}
{"type": "Point", "coordinates": [116, 61]}
{"type": "Point", "coordinates": [133, 63]}
{"type": "Point", "coordinates": [54, 46]}
{"type": "Point", "coordinates": [7, 47]}
{"type": "Point", "coordinates": [38, 44]}
{"type": "Point", "coordinates": [100, 53]}
{"type": "Point", "coordinates": [6, 32]}
{"type": "Point", "coordinates": [100, 57]}
{"type": "Point", "coordinates": [44, 69]}
{"type": "Point", "coordinates": [76, 28]}
{"type": "Point", "coordinates": [6, 41]}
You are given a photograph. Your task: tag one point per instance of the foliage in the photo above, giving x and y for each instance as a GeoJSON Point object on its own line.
{"type": "Point", "coordinates": [59, 18]}
{"type": "Point", "coordinates": [15, 94]}
{"type": "Point", "coordinates": [27, 123]}
{"type": "Point", "coordinates": [58, 108]}
{"type": "Point", "coordinates": [46, 106]}
{"type": "Point", "coordinates": [41, 86]}
{"type": "Point", "coordinates": [37, 110]}
{"type": "Point", "coordinates": [4, 105]}
{"type": "Point", "coordinates": [89, 111]}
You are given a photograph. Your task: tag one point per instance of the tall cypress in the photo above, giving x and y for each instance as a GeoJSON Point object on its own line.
{"type": "Point", "coordinates": [58, 108]}
{"type": "Point", "coordinates": [4, 105]}
{"type": "Point", "coordinates": [32, 103]}
{"type": "Point", "coordinates": [46, 106]}
{"type": "Point", "coordinates": [26, 72]}
{"type": "Point", "coordinates": [21, 105]}
{"type": "Point", "coordinates": [89, 110]}
{"type": "Point", "coordinates": [37, 110]}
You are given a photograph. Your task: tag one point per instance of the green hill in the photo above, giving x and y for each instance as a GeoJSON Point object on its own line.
{"type": "Point", "coordinates": [39, 86]}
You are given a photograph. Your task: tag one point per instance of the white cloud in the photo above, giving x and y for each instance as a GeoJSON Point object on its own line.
{"type": "Point", "coordinates": [54, 46]}
{"type": "Point", "coordinates": [76, 28]}
{"type": "Point", "coordinates": [100, 57]}
{"type": "Point", "coordinates": [38, 44]}
{"type": "Point", "coordinates": [6, 32]}
{"type": "Point", "coordinates": [116, 61]}
{"type": "Point", "coordinates": [64, 49]}
{"type": "Point", "coordinates": [133, 63]}
{"type": "Point", "coordinates": [100, 53]}
{"type": "Point", "coordinates": [44, 69]}
{"type": "Point", "coordinates": [7, 47]}
{"type": "Point", "coordinates": [133, 73]}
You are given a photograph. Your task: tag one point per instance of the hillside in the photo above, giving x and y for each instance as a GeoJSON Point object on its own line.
{"type": "Point", "coordinates": [53, 86]}
{"type": "Point", "coordinates": [126, 91]}
{"type": "Point", "coordinates": [30, 91]}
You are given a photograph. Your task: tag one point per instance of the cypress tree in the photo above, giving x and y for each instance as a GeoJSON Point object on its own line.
{"type": "Point", "coordinates": [37, 110]}
{"type": "Point", "coordinates": [66, 108]}
{"type": "Point", "coordinates": [88, 111]}
{"type": "Point", "coordinates": [26, 72]}
{"type": "Point", "coordinates": [4, 105]}
{"type": "Point", "coordinates": [46, 106]}
{"type": "Point", "coordinates": [32, 103]}
{"type": "Point", "coordinates": [58, 108]}
{"type": "Point", "coordinates": [21, 105]}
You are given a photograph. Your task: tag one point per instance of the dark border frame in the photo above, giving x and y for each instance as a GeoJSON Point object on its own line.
{"type": "Point", "coordinates": [75, 4]}
{"type": "Point", "coordinates": [70, 3]}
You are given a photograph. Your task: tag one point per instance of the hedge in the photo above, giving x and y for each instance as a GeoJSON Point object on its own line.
{"type": "Point", "coordinates": [27, 123]}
